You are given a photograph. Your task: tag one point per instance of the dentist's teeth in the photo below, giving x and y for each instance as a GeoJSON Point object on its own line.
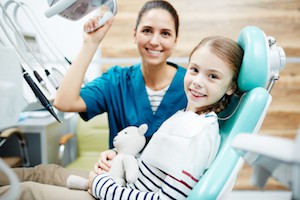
{"type": "Point", "coordinates": [153, 51]}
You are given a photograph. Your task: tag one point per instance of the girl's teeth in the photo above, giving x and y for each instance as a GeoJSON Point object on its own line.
{"type": "Point", "coordinates": [196, 93]}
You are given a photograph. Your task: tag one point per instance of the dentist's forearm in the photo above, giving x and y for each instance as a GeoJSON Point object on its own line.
{"type": "Point", "coordinates": [68, 94]}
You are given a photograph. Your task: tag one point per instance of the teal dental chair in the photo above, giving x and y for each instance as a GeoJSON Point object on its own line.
{"type": "Point", "coordinates": [260, 69]}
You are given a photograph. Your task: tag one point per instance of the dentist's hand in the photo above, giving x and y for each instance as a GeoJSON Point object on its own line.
{"type": "Point", "coordinates": [94, 33]}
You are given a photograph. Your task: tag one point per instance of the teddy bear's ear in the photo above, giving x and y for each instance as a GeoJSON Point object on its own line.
{"type": "Point", "coordinates": [143, 129]}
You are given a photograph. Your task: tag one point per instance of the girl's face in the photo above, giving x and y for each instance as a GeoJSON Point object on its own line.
{"type": "Point", "coordinates": [155, 36]}
{"type": "Point", "coordinates": [207, 80]}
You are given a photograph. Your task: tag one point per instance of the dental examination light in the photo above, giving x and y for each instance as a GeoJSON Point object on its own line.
{"type": "Point", "coordinates": [76, 9]}
{"type": "Point", "coordinates": [38, 93]}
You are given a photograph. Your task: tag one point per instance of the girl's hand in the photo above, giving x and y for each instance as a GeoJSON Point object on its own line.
{"type": "Point", "coordinates": [92, 175]}
{"type": "Point", "coordinates": [103, 161]}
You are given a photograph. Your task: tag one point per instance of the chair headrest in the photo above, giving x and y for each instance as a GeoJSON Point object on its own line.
{"type": "Point", "coordinates": [254, 69]}
{"type": "Point", "coordinates": [262, 61]}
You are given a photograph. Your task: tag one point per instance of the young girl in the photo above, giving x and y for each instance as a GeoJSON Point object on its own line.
{"type": "Point", "coordinates": [186, 144]}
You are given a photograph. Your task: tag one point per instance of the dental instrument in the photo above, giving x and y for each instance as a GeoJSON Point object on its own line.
{"type": "Point", "coordinates": [40, 80]}
{"type": "Point", "coordinates": [39, 94]}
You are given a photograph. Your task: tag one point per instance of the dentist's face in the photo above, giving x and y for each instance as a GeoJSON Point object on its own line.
{"type": "Point", "coordinates": [207, 80]}
{"type": "Point", "coordinates": [155, 36]}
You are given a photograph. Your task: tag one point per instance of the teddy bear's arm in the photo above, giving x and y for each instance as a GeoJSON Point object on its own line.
{"type": "Point", "coordinates": [131, 168]}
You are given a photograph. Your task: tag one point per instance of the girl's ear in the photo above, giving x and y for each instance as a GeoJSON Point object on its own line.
{"type": "Point", "coordinates": [231, 89]}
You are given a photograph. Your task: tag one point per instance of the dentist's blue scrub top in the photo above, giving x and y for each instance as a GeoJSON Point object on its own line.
{"type": "Point", "coordinates": [122, 94]}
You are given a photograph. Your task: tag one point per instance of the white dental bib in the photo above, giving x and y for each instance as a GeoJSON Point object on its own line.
{"type": "Point", "coordinates": [185, 143]}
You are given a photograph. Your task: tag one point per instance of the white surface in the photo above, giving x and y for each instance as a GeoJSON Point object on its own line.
{"type": "Point", "coordinates": [11, 92]}
{"type": "Point", "coordinates": [260, 195]}
{"type": "Point", "coordinates": [274, 147]}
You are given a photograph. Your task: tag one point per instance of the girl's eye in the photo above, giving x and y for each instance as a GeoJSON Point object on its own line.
{"type": "Point", "coordinates": [213, 76]}
{"type": "Point", "coordinates": [193, 69]}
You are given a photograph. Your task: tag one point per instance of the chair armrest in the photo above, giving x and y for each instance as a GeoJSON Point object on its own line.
{"type": "Point", "coordinates": [65, 138]}
{"type": "Point", "coordinates": [281, 149]}
{"type": "Point", "coordinates": [63, 142]}
{"type": "Point", "coordinates": [9, 132]}
{"type": "Point", "coordinates": [24, 157]}
{"type": "Point", "coordinates": [269, 156]}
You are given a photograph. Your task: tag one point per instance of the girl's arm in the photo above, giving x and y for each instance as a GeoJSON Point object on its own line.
{"type": "Point", "coordinates": [104, 187]}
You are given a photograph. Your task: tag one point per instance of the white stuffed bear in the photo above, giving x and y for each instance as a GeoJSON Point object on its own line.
{"type": "Point", "coordinates": [128, 143]}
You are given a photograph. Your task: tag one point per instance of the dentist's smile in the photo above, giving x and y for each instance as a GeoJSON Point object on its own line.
{"type": "Point", "coordinates": [154, 52]}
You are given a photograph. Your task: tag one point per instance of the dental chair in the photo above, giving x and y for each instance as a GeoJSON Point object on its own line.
{"type": "Point", "coordinates": [260, 67]}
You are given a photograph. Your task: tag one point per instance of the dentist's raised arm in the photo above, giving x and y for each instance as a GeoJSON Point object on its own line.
{"type": "Point", "coordinates": [68, 95]}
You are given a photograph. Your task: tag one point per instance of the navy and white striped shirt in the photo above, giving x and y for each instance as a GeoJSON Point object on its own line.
{"type": "Point", "coordinates": [152, 184]}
